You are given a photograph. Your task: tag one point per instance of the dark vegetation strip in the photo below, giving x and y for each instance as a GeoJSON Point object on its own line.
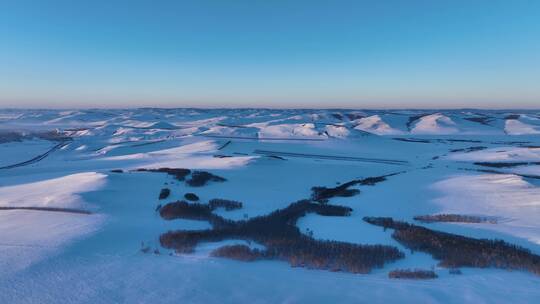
{"type": "Point", "coordinates": [199, 211]}
{"type": "Point", "coordinates": [201, 178]}
{"type": "Point", "coordinates": [178, 173]}
{"type": "Point", "coordinates": [224, 203]}
{"type": "Point", "coordinates": [456, 251]}
{"type": "Point", "coordinates": [18, 136]}
{"type": "Point", "coordinates": [149, 143]}
{"type": "Point", "coordinates": [191, 197]}
{"type": "Point", "coordinates": [197, 178]}
{"type": "Point", "coordinates": [50, 209]}
{"type": "Point", "coordinates": [331, 157]}
{"type": "Point", "coordinates": [416, 274]}
{"type": "Point", "coordinates": [469, 149]}
{"type": "Point", "coordinates": [323, 194]}
{"type": "Point", "coordinates": [455, 218]}
{"type": "Point", "coordinates": [239, 253]}
{"type": "Point", "coordinates": [281, 237]}
{"type": "Point", "coordinates": [459, 140]}
{"type": "Point", "coordinates": [510, 142]}
{"type": "Point", "coordinates": [505, 164]}
{"type": "Point", "coordinates": [233, 126]}
{"type": "Point", "coordinates": [414, 140]}
{"type": "Point", "coordinates": [10, 136]}
{"type": "Point", "coordinates": [164, 193]}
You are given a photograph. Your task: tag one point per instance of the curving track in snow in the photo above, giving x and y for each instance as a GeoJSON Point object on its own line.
{"type": "Point", "coordinates": [37, 158]}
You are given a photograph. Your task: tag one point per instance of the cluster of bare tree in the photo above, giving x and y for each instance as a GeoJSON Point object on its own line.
{"type": "Point", "coordinates": [323, 194]}
{"type": "Point", "coordinates": [182, 209]}
{"type": "Point", "coordinates": [460, 251]}
{"type": "Point", "coordinates": [197, 178]}
{"type": "Point", "coordinates": [505, 164]}
{"type": "Point", "coordinates": [191, 197]}
{"type": "Point", "coordinates": [224, 203]}
{"type": "Point", "coordinates": [164, 193]}
{"type": "Point", "coordinates": [469, 149]}
{"type": "Point", "coordinates": [178, 173]}
{"type": "Point", "coordinates": [201, 178]}
{"type": "Point", "coordinates": [416, 274]}
{"type": "Point", "coordinates": [281, 237]}
{"type": "Point", "coordinates": [455, 218]}
{"type": "Point", "coordinates": [238, 252]}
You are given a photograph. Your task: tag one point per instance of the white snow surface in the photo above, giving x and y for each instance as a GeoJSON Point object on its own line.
{"type": "Point", "coordinates": [516, 127]}
{"type": "Point", "coordinates": [28, 236]}
{"type": "Point", "coordinates": [374, 124]}
{"type": "Point", "coordinates": [505, 196]}
{"type": "Point", "coordinates": [337, 131]}
{"type": "Point", "coordinates": [15, 152]}
{"type": "Point", "coordinates": [195, 155]}
{"type": "Point", "coordinates": [289, 131]}
{"type": "Point", "coordinates": [59, 192]}
{"type": "Point", "coordinates": [502, 154]}
{"type": "Point", "coordinates": [435, 124]}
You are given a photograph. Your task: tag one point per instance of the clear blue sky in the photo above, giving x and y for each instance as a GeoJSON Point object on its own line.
{"type": "Point", "coordinates": [110, 53]}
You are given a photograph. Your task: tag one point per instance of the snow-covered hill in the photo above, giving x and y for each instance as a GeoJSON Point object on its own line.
{"type": "Point", "coordinates": [81, 220]}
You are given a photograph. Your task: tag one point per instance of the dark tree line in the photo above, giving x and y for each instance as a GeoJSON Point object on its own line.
{"type": "Point", "coordinates": [460, 251]}
{"type": "Point", "coordinates": [164, 193]}
{"type": "Point", "coordinates": [281, 237]}
{"type": "Point", "coordinates": [323, 194]}
{"type": "Point", "coordinates": [416, 274]}
{"type": "Point", "coordinates": [238, 252]}
{"type": "Point", "coordinates": [201, 178]}
{"type": "Point", "coordinates": [185, 210]}
{"type": "Point", "coordinates": [469, 149]}
{"type": "Point", "coordinates": [199, 211]}
{"type": "Point", "coordinates": [178, 173]}
{"type": "Point", "coordinates": [505, 164]}
{"type": "Point", "coordinates": [224, 203]}
{"type": "Point", "coordinates": [191, 197]}
{"type": "Point", "coordinates": [413, 140]}
{"type": "Point", "coordinates": [455, 218]}
{"type": "Point", "coordinates": [197, 178]}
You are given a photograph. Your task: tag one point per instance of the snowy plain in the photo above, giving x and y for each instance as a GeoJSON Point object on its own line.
{"type": "Point", "coordinates": [270, 159]}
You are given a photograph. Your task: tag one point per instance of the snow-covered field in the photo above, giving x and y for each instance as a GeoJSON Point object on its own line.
{"type": "Point", "coordinates": [76, 229]}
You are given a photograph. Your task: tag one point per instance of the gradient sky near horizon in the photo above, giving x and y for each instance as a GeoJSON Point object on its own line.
{"type": "Point", "coordinates": [354, 54]}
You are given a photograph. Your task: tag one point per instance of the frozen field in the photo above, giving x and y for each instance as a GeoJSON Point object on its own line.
{"type": "Point", "coordinates": [80, 222]}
